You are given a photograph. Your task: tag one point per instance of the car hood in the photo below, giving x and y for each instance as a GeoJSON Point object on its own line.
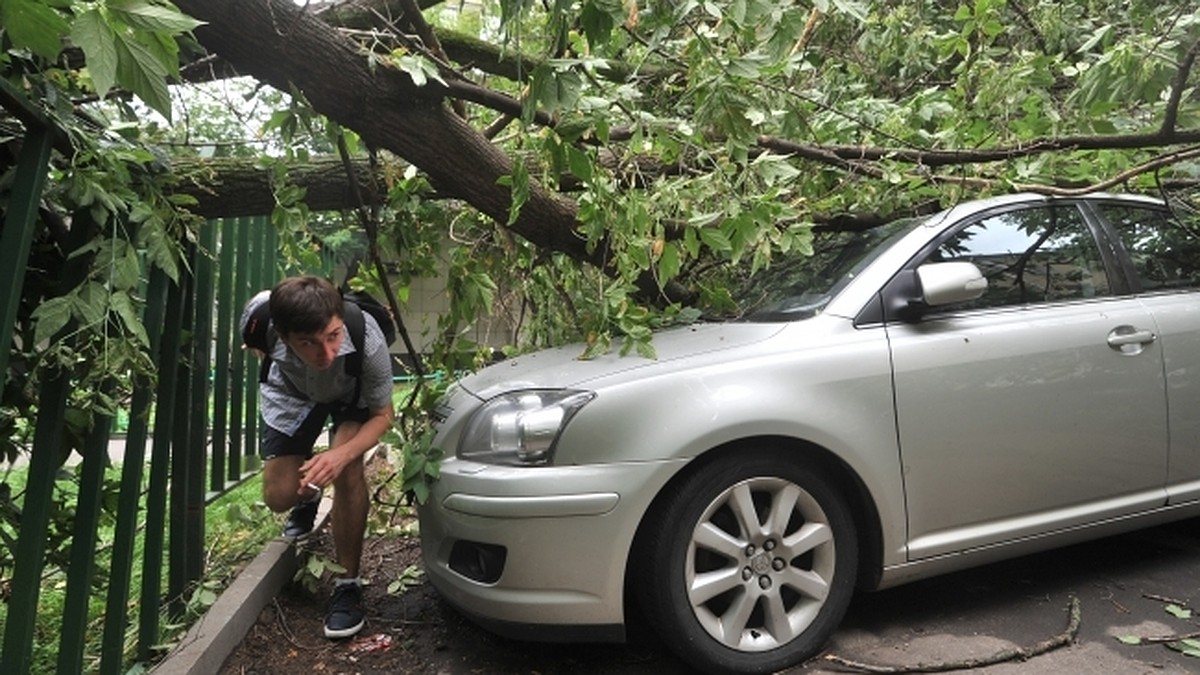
{"type": "Point", "coordinates": [563, 367]}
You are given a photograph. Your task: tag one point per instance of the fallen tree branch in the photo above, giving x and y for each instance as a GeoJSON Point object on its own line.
{"type": "Point", "coordinates": [1015, 654]}
{"type": "Point", "coordinates": [1163, 639]}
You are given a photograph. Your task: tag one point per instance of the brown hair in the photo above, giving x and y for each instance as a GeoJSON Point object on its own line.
{"type": "Point", "coordinates": [304, 305]}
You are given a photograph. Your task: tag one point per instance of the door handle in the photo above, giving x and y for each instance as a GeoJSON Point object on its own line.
{"type": "Point", "coordinates": [1130, 340]}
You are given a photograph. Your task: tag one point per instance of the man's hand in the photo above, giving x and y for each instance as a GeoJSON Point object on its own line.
{"type": "Point", "coordinates": [322, 469]}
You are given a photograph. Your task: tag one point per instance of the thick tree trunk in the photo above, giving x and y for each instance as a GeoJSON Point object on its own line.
{"type": "Point", "coordinates": [232, 187]}
{"type": "Point", "coordinates": [278, 43]}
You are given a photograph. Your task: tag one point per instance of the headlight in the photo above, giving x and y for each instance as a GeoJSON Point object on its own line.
{"type": "Point", "coordinates": [520, 428]}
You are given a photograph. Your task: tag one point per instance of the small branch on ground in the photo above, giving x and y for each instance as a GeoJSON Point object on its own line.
{"type": "Point", "coordinates": [1015, 654]}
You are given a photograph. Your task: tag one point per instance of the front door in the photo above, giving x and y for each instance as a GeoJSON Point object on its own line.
{"type": "Point", "coordinates": [1038, 407]}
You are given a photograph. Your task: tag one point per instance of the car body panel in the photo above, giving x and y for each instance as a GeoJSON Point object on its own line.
{"type": "Point", "coordinates": [1177, 318]}
{"type": "Point", "coordinates": [1092, 419]}
{"type": "Point", "coordinates": [564, 367]}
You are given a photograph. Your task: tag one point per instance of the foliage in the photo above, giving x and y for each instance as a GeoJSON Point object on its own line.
{"type": "Point", "coordinates": [411, 576]}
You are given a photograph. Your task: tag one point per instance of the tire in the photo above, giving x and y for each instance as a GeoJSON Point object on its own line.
{"type": "Point", "coordinates": [729, 587]}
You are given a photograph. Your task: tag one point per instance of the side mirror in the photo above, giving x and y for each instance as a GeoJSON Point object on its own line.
{"type": "Point", "coordinates": [950, 282]}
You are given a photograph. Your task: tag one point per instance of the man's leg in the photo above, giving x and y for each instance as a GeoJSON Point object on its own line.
{"type": "Point", "coordinates": [351, 502]}
{"type": "Point", "coordinates": [281, 478]}
{"type": "Point", "coordinates": [349, 516]}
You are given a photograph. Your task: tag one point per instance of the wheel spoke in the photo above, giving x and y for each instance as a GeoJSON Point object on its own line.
{"type": "Point", "coordinates": [715, 539]}
{"type": "Point", "coordinates": [734, 620]}
{"type": "Point", "coordinates": [776, 620]}
{"type": "Point", "coordinates": [782, 506]}
{"type": "Point", "coordinates": [807, 583]}
{"type": "Point", "coordinates": [741, 503]}
{"type": "Point", "coordinates": [807, 538]}
{"type": "Point", "coordinates": [709, 585]}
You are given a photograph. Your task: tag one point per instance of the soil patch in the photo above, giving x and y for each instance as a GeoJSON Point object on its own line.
{"type": "Point", "coordinates": [412, 630]}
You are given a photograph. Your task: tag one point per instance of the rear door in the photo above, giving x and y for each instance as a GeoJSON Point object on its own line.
{"type": "Point", "coordinates": [1037, 407]}
{"type": "Point", "coordinates": [1164, 262]}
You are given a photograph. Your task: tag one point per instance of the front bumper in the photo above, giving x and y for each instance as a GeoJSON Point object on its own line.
{"type": "Point", "coordinates": [539, 552]}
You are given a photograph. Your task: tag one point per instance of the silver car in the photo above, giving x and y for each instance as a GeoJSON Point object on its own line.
{"type": "Point", "coordinates": [1006, 376]}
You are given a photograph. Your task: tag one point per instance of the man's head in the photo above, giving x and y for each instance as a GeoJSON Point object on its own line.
{"type": "Point", "coordinates": [307, 313]}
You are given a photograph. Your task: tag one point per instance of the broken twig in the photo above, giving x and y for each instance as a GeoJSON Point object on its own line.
{"type": "Point", "coordinates": [1015, 654]}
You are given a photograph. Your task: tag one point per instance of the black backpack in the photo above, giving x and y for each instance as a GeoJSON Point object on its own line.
{"type": "Point", "coordinates": [259, 334]}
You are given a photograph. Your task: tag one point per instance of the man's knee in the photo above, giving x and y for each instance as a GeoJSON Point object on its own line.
{"type": "Point", "coordinates": [281, 479]}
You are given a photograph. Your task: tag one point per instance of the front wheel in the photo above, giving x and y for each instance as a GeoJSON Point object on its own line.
{"type": "Point", "coordinates": [748, 564]}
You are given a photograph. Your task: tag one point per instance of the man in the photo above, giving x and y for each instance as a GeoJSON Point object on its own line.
{"type": "Point", "coordinates": [307, 384]}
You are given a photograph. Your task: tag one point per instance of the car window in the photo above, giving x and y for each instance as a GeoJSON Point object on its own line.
{"type": "Point", "coordinates": [1044, 254]}
{"type": "Point", "coordinates": [1164, 253]}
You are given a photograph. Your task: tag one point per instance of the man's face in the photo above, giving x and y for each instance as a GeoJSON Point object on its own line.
{"type": "Point", "coordinates": [318, 350]}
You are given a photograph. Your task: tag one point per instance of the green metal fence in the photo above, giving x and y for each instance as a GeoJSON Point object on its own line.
{"type": "Point", "coordinates": [177, 456]}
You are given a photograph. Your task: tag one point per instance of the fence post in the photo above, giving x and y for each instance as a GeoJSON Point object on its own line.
{"type": "Point", "coordinates": [224, 469]}
{"type": "Point", "coordinates": [29, 559]}
{"type": "Point", "coordinates": [113, 647]}
{"type": "Point", "coordinates": [84, 535]}
{"type": "Point", "coordinates": [17, 235]}
{"type": "Point", "coordinates": [160, 455]}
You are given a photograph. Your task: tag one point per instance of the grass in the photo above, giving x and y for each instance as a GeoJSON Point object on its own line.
{"type": "Point", "coordinates": [237, 525]}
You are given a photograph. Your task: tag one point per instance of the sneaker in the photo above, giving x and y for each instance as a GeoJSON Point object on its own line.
{"type": "Point", "coordinates": [300, 520]}
{"type": "Point", "coordinates": [345, 617]}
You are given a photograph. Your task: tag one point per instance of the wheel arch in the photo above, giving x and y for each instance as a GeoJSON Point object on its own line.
{"type": "Point", "coordinates": [847, 482]}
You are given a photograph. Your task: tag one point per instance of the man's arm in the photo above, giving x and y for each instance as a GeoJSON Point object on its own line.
{"type": "Point", "coordinates": [322, 469]}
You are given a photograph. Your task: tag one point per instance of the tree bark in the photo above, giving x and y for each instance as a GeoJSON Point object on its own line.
{"type": "Point", "coordinates": [233, 187]}
{"type": "Point", "coordinates": [278, 43]}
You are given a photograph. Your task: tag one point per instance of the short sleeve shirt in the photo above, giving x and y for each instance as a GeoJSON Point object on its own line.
{"type": "Point", "coordinates": [293, 389]}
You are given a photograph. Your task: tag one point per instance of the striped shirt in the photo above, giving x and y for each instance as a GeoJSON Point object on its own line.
{"type": "Point", "coordinates": [293, 389]}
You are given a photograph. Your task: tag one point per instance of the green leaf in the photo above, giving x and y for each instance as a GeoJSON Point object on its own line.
{"type": "Point", "coordinates": [51, 316]}
{"type": "Point", "coordinates": [1129, 639]}
{"type": "Point", "coordinates": [1178, 612]}
{"type": "Point", "coordinates": [126, 268]}
{"type": "Point", "coordinates": [122, 304]}
{"type": "Point", "coordinates": [715, 239]}
{"type": "Point", "coordinates": [140, 71]}
{"type": "Point", "coordinates": [579, 163]}
{"type": "Point", "coordinates": [91, 33]}
{"type": "Point", "coordinates": [669, 262]}
{"type": "Point", "coordinates": [34, 26]}
{"type": "Point", "coordinates": [142, 15]}
{"type": "Point", "coordinates": [1189, 647]}
{"type": "Point", "coordinates": [518, 184]}
{"type": "Point", "coordinates": [91, 303]}
{"type": "Point", "coordinates": [159, 249]}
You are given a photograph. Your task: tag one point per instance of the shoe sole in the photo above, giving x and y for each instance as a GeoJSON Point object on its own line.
{"type": "Point", "coordinates": [344, 632]}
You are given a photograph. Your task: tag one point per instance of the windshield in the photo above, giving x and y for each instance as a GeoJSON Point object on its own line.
{"type": "Point", "coordinates": [800, 287]}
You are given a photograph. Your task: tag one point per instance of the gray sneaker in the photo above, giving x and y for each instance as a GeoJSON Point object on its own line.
{"type": "Point", "coordinates": [345, 617]}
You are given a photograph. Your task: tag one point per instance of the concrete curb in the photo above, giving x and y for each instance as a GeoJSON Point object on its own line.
{"type": "Point", "coordinates": [217, 634]}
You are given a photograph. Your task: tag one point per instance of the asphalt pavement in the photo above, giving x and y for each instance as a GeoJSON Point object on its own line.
{"type": "Point", "coordinates": [1144, 584]}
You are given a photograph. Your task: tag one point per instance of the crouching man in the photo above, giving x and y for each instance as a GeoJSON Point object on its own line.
{"type": "Point", "coordinates": [308, 385]}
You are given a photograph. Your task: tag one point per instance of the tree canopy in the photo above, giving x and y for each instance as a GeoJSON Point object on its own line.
{"type": "Point", "coordinates": [600, 166]}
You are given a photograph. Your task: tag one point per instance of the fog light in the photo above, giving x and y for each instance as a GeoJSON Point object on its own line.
{"type": "Point", "coordinates": [477, 561]}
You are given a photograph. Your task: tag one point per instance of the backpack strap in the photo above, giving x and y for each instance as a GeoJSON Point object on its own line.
{"type": "Point", "coordinates": [260, 335]}
{"type": "Point", "coordinates": [356, 325]}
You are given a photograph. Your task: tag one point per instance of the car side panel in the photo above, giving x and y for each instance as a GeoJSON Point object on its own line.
{"type": "Point", "coordinates": [1178, 318]}
{"type": "Point", "coordinates": [1018, 422]}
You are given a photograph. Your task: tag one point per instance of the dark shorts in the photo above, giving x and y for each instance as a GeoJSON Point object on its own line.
{"type": "Point", "coordinates": [276, 443]}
